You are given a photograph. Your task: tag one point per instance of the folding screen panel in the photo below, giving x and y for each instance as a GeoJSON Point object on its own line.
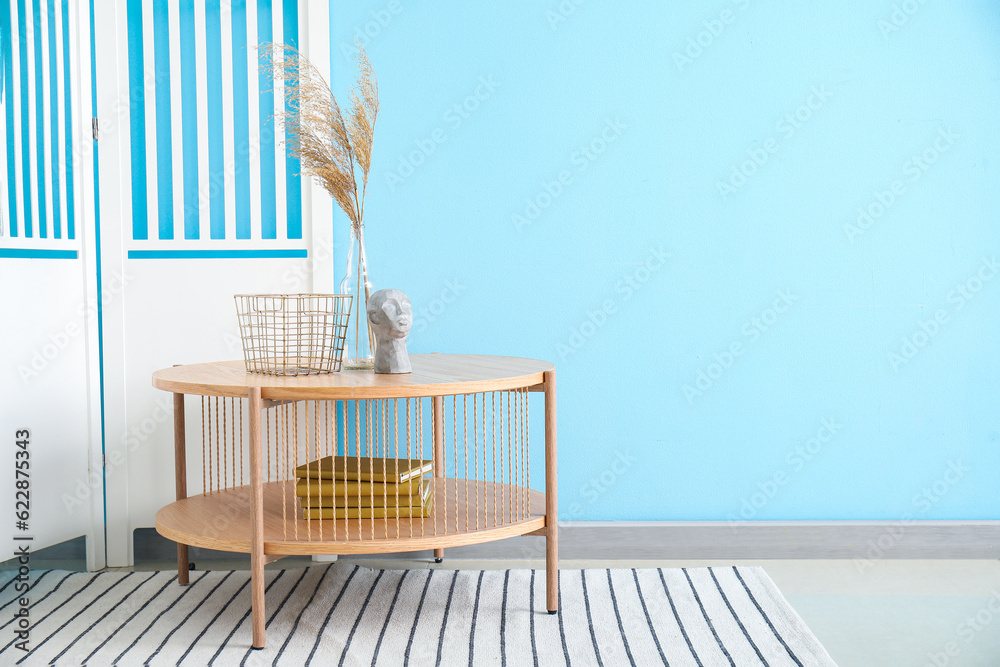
{"type": "Point", "coordinates": [50, 300]}
{"type": "Point", "coordinates": [199, 201]}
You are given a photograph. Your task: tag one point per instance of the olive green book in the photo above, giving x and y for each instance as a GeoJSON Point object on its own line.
{"type": "Point", "coordinates": [365, 469]}
{"type": "Point", "coordinates": [340, 488]}
{"type": "Point", "coordinates": [370, 512]}
{"type": "Point", "coordinates": [420, 497]}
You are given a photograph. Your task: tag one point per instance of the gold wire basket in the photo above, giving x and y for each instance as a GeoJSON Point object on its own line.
{"type": "Point", "coordinates": [293, 334]}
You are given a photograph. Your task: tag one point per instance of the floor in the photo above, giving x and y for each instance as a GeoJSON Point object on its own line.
{"type": "Point", "coordinates": [886, 613]}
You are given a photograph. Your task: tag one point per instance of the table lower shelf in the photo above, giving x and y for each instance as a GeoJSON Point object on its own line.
{"type": "Point", "coordinates": [464, 512]}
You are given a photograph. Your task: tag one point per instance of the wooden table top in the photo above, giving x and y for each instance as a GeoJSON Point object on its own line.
{"type": "Point", "coordinates": [433, 375]}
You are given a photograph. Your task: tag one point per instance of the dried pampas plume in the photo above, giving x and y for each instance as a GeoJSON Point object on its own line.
{"type": "Point", "coordinates": [333, 147]}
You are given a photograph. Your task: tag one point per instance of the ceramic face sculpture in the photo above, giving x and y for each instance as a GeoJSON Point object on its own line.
{"type": "Point", "coordinates": [391, 316]}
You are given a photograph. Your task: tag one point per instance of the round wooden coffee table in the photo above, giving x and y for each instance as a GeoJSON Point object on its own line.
{"type": "Point", "coordinates": [257, 428]}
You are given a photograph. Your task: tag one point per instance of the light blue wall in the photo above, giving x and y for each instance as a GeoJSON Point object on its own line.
{"type": "Point", "coordinates": [881, 96]}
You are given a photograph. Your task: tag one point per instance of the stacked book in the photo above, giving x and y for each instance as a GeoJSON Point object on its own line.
{"type": "Point", "coordinates": [349, 487]}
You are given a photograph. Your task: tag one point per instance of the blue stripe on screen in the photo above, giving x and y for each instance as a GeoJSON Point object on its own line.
{"type": "Point", "coordinates": [216, 157]}
{"type": "Point", "coordinates": [268, 188]}
{"type": "Point", "coordinates": [218, 254]}
{"type": "Point", "coordinates": [293, 180]}
{"type": "Point", "coordinates": [36, 12]}
{"type": "Point", "coordinates": [137, 119]}
{"type": "Point", "coordinates": [164, 134]}
{"type": "Point", "coordinates": [241, 119]}
{"type": "Point", "coordinates": [68, 104]}
{"type": "Point", "coordinates": [189, 115]}
{"type": "Point", "coordinates": [25, 130]}
{"type": "Point", "coordinates": [54, 119]}
{"type": "Point", "coordinates": [8, 95]}
{"type": "Point", "coordinates": [37, 253]}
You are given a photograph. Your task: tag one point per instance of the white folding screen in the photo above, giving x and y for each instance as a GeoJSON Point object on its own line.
{"type": "Point", "coordinates": [51, 382]}
{"type": "Point", "coordinates": [199, 201]}
{"type": "Point", "coordinates": [122, 254]}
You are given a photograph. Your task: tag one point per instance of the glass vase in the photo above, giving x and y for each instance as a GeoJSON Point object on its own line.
{"type": "Point", "coordinates": [359, 348]}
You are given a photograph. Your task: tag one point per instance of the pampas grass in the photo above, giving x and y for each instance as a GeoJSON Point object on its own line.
{"type": "Point", "coordinates": [333, 147]}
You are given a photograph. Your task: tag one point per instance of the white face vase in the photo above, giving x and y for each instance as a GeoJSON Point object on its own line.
{"type": "Point", "coordinates": [391, 316]}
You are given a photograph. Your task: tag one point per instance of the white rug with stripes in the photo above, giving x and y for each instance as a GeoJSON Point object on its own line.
{"type": "Point", "coordinates": [342, 614]}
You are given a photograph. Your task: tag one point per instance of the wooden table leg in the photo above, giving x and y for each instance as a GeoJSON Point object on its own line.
{"type": "Point", "coordinates": [180, 480]}
{"type": "Point", "coordinates": [437, 413]}
{"type": "Point", "coordinates": [256, 520]}
{"type": "Point", "coordinates": [551, 504]}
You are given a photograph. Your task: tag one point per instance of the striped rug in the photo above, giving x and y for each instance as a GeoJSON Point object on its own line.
{"type": "Point", "coordinates": [342, 614]}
